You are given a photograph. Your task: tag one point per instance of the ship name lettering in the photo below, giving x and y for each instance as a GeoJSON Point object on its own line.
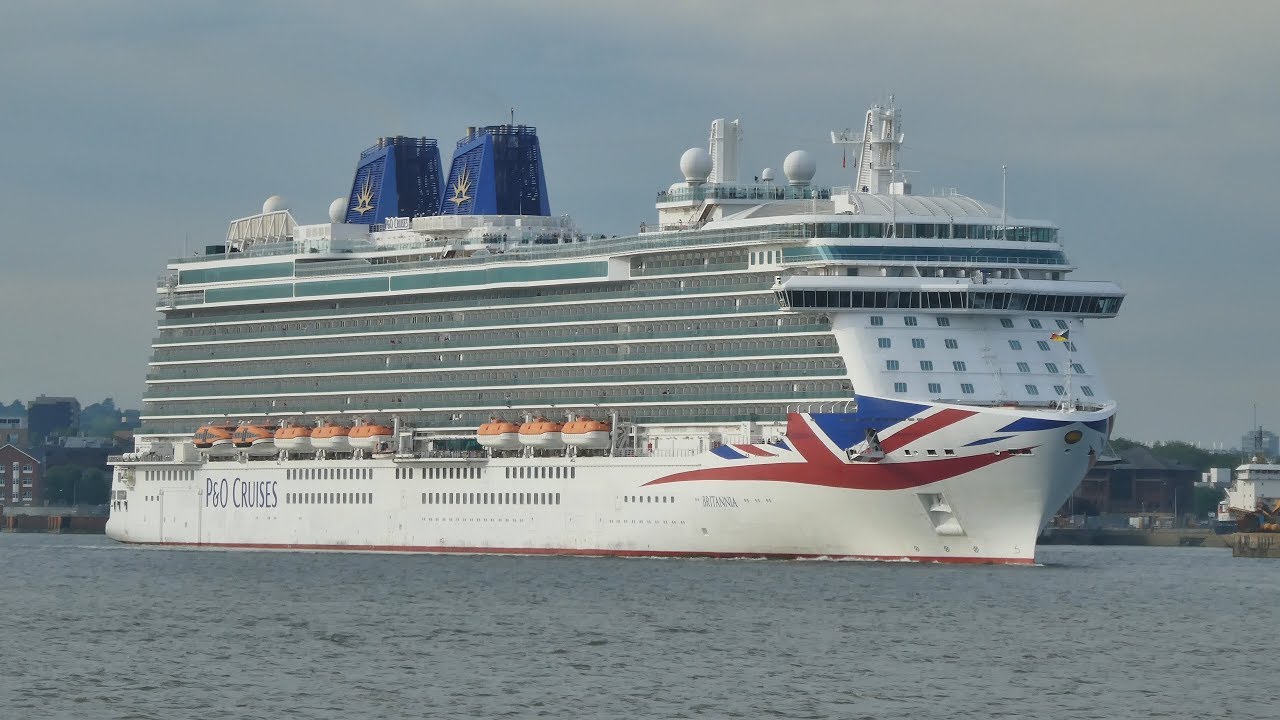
{"type": "Point", "coordinates": [239, 493]}
{"type": "Point", "coordinates": [718, 501]}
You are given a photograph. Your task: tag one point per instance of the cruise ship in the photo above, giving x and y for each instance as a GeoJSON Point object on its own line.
{"type": "Point", "coordinates": [766, 369]}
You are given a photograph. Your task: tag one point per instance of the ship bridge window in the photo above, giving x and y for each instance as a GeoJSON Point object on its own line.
{"type": "Point", "coordinates": [944, 321]}
{"type": "Point", "coordinates": [1024, 367]}
{"type": "Point", "coordinates": [1077, 368]}
{"type": "Point", "coordinates": [910, 321]}
{"type": "Point", "coordinates": [951, 343]}
{"type": "Point", "coordinates": [966, 388]}
{"type": "Point", "coordinates": [1086, 390]}
{"type": "Point", "coordinates": [1006, 322]}
{"type": "Point", "coordinates": [1015, 345]}
{"type": "Point", "coordinates": [890, 364]}
{"type": "Point", "coordinates": [1034, 323]}
{"type": "Point", "coordinates": [900, 387]}
{"type": "Point", "coordinates": [1032, 390]}
{"type": "Point", "coordinates": [1042, 344]}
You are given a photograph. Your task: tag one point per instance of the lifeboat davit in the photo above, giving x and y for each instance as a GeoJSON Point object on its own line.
{"type": "Point", "coordinates": [331, 436]}
{"type": "Point", "coordinates": [256, 439]}
{"type": "Point", "coordinates": [215, 439]}
{"type": "Point", "coordinates": [499, 435]}
{"type": "Point", "coordinates": [587, 433]}
{"type": "Point", "coordinates": [369, 435]}
{"type": "Point", "coordinates": [293, 438]}
{"type": "Point", "coordinates": [541, 433]}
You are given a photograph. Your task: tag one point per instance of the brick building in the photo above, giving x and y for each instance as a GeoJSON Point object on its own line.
{"type": "Point", "coordinates": [13, 431]}
{"type": "Point", "coordinates": [21, 476]}
{"type": "Point", "coordinates": [1141, 484]}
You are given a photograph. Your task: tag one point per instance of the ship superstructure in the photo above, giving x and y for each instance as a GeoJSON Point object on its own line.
{"type": "Point", "coordinates": [767, 338]}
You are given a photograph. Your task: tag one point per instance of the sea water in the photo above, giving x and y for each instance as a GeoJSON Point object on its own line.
{"type": "Point", "coordinates": [94, 629]}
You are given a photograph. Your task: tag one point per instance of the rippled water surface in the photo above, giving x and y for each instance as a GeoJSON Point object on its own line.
{"type": "Point", "coordinates": [93, 629]}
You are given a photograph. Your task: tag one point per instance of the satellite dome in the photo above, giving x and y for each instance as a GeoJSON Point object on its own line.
{"type": "Point", "coordinates": [766, 175]}
{"type": "Point", "coordinates": [275, 203]}
{"type": "Point", "coordinates": [338, 210]}
{"type": "Point", "coordinates": [799, 168]}
{"type": "Point", "coordinates": [695, 165]}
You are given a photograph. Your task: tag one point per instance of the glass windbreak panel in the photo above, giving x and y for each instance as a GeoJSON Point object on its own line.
{"type": "Point", "coordinates": [913, 253]}
{"type": "Point", "coordinates": [485, 276]}
{"type": "Point", "coordinates": [254, 292]}
{"type": "Point", "coordinates": [235, 272]}
{"type": "Point", "coordinates": [341, 287]}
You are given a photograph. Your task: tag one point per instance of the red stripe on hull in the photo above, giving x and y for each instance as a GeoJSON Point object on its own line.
{"type": "Point", "coordinates": [753, 450]}
{"type": "Point", "coordinates": [851, 476]}
{"type": "Point", "coordinates": [443, 550]}
{"type": "Point", "coordinates": [920, 428]}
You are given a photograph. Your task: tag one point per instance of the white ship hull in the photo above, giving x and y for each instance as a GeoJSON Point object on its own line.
{"type": "Point", "coordinates": [956, 485]}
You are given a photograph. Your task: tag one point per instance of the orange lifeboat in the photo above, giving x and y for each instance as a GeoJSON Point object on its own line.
{"type": "Point", "coordinates": [587, 433]}
{"type": "Point", "coordinates": [331, 436]}
{"type": "Point", "coordinates": [257, 439]}
{"type": "Point", "coordinates": [215, 439]}
{"type": "Point", "coordinates": [499, 435]}
{"type": "Point", "coordinates": [541, 433]}
{"type": "Point", "coordinates": [293, 438]}
{"type": "Point", "coordinates": [367, 435]}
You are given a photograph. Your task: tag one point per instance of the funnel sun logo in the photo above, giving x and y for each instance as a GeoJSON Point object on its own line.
{"type": "Point", "coordinates": [364, 198]}
{"type": "Point", "coordinates": [462, 188]}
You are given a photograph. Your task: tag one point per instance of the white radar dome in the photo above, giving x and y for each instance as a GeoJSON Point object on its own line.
{"type": "Point", "coordinates": [695, 165]}
{"type": "Point", "coordinates": [338, 210]}
{"type": "Point", "coordinates": [766, 175]}
{"type": "Point", "coordinates": [275, 203]}
{"type": "Point", "coordinates": [799, 168]}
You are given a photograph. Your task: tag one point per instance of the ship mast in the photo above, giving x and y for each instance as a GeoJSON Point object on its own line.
{"type": "Point", "coordinates": [878, 157]}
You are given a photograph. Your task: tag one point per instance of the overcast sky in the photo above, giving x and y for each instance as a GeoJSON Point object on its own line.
{"type": "Point", "coordinates": [1146, 130]}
